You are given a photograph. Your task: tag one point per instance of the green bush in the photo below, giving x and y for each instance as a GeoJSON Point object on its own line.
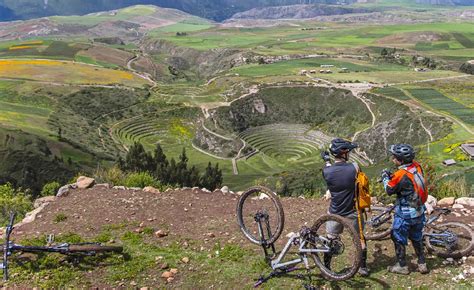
{"type": "Point", "coordinates": [113, 175]}
{"type": "Point", "coordinates": [451, 187]}
{"type": "Point", "coordinates": [141, 179]}
{"type": "Point", "coordinates": [50, 188]}
{"type": "Point", "coordinates": [15, 200]}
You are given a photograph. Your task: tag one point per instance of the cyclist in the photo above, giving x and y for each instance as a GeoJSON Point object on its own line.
{"type": "Point", "coordinates": [408, 184]}
{"type": "Point", "coordinates": [340, 179]}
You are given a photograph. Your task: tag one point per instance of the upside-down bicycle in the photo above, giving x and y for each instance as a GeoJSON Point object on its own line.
{"type": "Point", "coordinates": [444, 239]}
{"type": "Point", "coordinates": [84, 249]}
{"type": "Point", "coordinates": [261, 218]}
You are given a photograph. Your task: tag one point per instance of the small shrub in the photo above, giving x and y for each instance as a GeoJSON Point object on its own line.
{"type": "Point", "coordinates": [113, 175]}
{"type": "Point", "coordinates": [141, 179]}
{"type": "Point", "coordinates": [451, 187]}
{"type": "Point", "coordinates": [50, 189]}
{"type": "Point", "coordinates": [60, 217]}
{"type": "Point", "coordinates": [15, 200]}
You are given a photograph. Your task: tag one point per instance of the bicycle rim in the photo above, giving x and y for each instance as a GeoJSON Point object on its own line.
{"type": "Point", "coordinates": [450, 240]}
{"type": "Point", "coordinates": [374, 229]}
{"type": "Point", "coordinates": [260, 200]}
{"type": "Point", "coordinates": [346, 252]}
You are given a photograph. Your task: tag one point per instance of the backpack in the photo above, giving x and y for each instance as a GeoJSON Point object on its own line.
{"type": "Point", "coordinates": [415, 173]}
{"type": "Point", "coordinates": [362, 192]}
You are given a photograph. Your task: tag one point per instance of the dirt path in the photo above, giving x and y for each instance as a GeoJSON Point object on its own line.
{"type": "Point", "coordinates": [143, 75]}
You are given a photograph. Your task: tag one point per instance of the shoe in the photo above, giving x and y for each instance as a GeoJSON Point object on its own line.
{"type": "Point", "coordinates": [364, 271]}
{"type": "Point", "coordinates": [423, 269]}
{"type": "Point", "coordinates": [397, 269]}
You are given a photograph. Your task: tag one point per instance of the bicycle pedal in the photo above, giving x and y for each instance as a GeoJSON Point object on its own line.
{"type": "Point", "coordinates": [50, 239]}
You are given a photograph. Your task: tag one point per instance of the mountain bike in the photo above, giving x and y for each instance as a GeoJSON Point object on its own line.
{"type": "Point", "coordinates": [447, 239]}
{"type": "Point", "coordinates": [84, 249]}
{"type": "Point", "coordinates": [261, 219]}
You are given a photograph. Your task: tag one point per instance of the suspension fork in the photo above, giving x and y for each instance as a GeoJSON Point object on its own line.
{"type": "Point", "coordinates": [261, 231]}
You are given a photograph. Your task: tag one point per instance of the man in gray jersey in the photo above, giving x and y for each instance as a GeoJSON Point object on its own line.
{"type": "Point", "coordinates": [340, 178]}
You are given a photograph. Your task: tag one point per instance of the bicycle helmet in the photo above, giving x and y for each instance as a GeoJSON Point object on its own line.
{"type": "Point", "coordinates": [340, 146]}
{"type": "Point", "coordinates": [403, 152]}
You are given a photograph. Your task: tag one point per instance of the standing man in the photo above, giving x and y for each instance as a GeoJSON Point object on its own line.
{"type": "Point", "coordinates": [340, 178]}
{"type": "Point", "coordinates": [408, 184]}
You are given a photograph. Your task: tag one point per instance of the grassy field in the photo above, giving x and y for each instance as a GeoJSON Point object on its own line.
{"type": "Point", "coordinates": [66, 72]}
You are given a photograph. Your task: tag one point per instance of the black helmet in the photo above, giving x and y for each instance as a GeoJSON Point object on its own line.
{"type": "Point", "coordinates": [403, 152]}
{"type": "Point", "coordinates": [340, 146]}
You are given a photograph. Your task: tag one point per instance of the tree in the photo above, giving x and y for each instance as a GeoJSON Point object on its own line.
{"type": "Point", "coordinates": [138, 160]}
{"type": "Point", "coordinates": [384, 52]}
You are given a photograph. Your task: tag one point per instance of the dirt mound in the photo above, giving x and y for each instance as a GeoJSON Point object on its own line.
{"type": "Point", "coordinates": [204, 244]}
{"type": "Point", "coordinates": [189, 214]}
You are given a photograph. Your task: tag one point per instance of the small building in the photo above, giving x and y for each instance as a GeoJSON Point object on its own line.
{"type": "Point", "coordinates": [303, 72]}
{"type": "Point", "coordinates": [449, 162]}
{"type": "Point", "coordinates": [468, 148]}
{"type": "Point", "coordinates": [313, 71]}
{"type": "Point", "coordinates": [421, 69]}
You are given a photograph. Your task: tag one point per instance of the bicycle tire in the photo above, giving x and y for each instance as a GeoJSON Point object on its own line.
{"type": "Point", "coordinates": [379, 235]}
{"type": "Point", "coordinates": [357, 257]}
{"type": "Point", "coordinates": [280, 215]}
{"type": "Point", "coordinates": [466, 251]}
{"type": "Point", "coordinates": [96, 248]}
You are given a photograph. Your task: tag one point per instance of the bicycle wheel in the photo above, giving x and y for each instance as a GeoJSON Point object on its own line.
{"type": "Point", "coordinates": [450, 240]}
{"type": "Point", "coordinates": [378, 223]}
{"type": "Point", "coordinates": [345, 253]}
{"type": "Point", "coordinates": [260, 215]}
{"type": "Point", "coordinates": [93, 248]}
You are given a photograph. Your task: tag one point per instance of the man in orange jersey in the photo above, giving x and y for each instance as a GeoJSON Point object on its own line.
{"type": "Point", "coordinates": [408, 184]}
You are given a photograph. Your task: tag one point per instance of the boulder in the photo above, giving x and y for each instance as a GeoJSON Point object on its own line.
{"type": "Point", "coordinates": [466, 201]}
{"type": "Point", "coordinates": [429, 208]}
{"type": "Point", "coordinates": [64, 190]}
{"type": "Point", "coordinates": [225, 189]}
{"type": "Point", "coordinates": [432, 201]}
{"type": "Point", "coordinates": [44, 200]}
{"type": "Point", "coordinates": [458, 206]}
{"type": "Point", "coordinates": [151, 189]}
{"type": "Point", "coordinates": [84, 182]}
{"type": "Point", "coordinates": [120, 187]}
{"type": "Point", "coordinates": [102, 185]}
{"type": "Point", "coordinates": [205, 189]}
{"type": "Point", "coordinates": [447, 201]}
{"type": "Point", "coordinates": [135, 188]}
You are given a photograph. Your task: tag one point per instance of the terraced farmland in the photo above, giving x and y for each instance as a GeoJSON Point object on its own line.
{"type": "Point", "coordinates": [440, 102]}
{"type": "Point", "coordinates": [157, 127]}
{"type": "Point", "coordinates": [293, 143]}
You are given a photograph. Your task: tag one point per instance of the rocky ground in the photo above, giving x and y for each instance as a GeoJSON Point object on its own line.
{"type": "Point", "coordinates": [195, 223]}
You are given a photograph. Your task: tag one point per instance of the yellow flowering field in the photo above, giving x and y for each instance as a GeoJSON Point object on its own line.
{"type": "Point", "coordinates": [19, 47]}
{"type": "Point", "coordinates": [66, 72]}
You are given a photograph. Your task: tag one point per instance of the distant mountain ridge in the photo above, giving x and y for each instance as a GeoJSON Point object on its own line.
{"type": "Point", "coordinates": [447, 2]}
{"type": "Point", "coordinates": [298, 11]}
{"type": "Point", "coordinates": [212, 9]}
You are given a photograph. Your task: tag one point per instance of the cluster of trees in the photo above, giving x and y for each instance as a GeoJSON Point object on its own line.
{"type": "Point", "coordinates": [391, 55]}
{"type": "Point", "coordinates": [467, 67]}
{"type": "Point", "coordinates": [170, 171]}
{"type": "Point", "coordinates": [423, 61]}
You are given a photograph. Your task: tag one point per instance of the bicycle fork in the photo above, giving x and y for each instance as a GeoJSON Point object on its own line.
{"type": "Point", "coordinates": [259, 216]}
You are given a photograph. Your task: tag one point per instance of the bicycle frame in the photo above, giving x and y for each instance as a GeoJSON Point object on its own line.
{"type": "Point", "coordinates": [296, 239]}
